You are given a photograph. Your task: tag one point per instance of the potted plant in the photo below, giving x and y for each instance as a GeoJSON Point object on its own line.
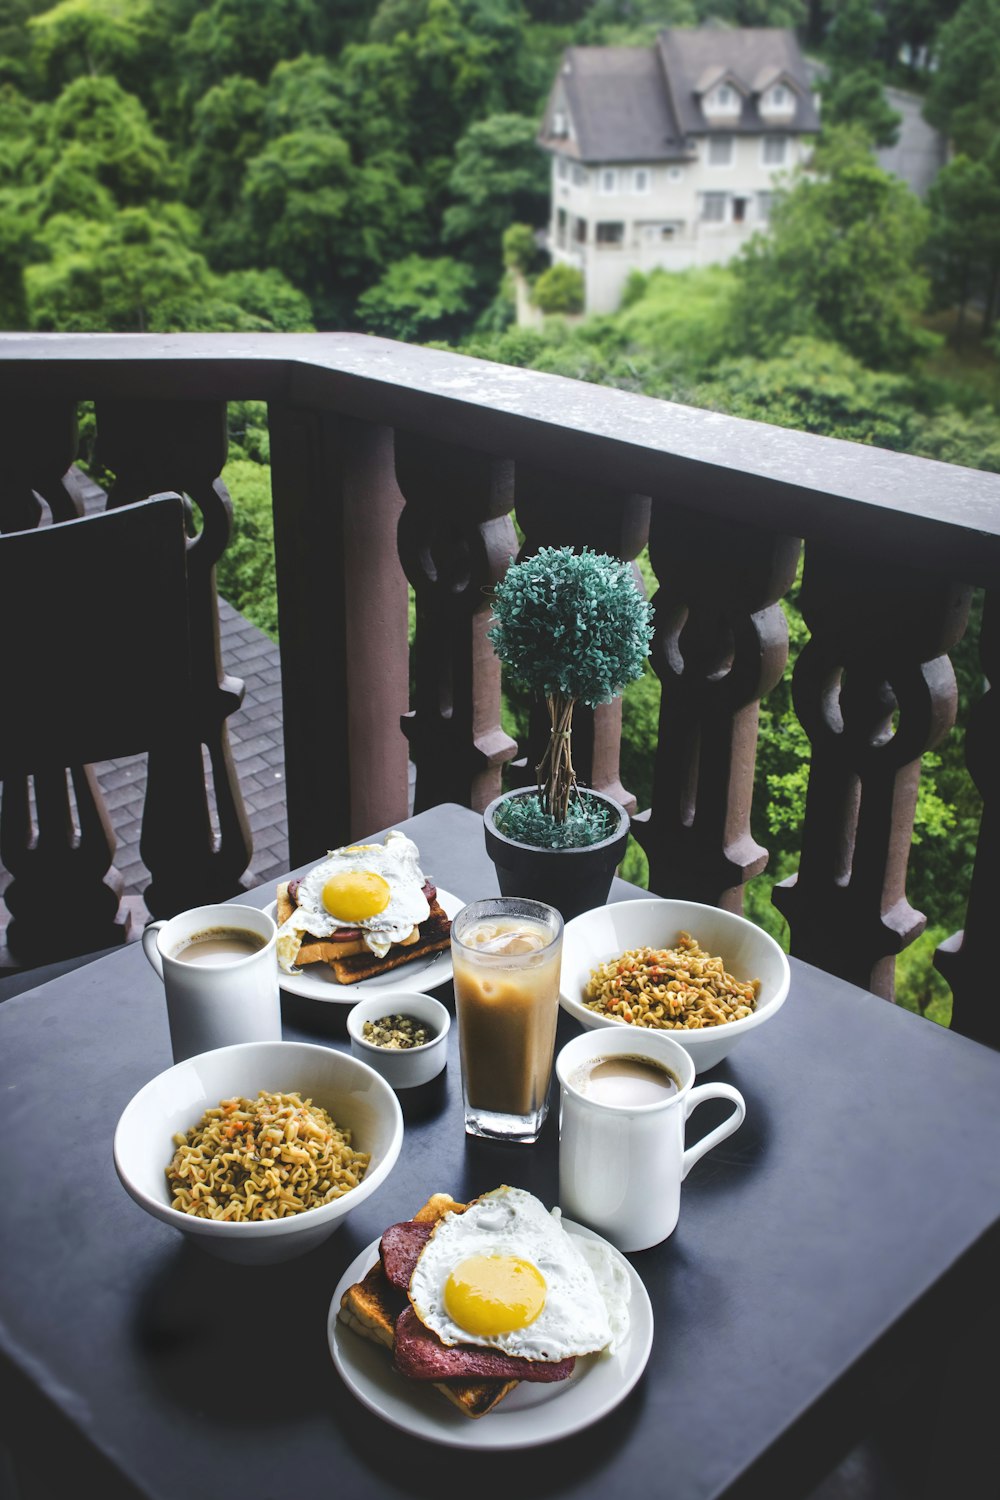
{"type": "Point", "coordinates": [573, 628]}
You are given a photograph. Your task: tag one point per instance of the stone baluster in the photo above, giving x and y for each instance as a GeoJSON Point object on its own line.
{"type": "Point", "coordinates": [966, 959]}
{"type": "Point", "coordinates": [720, 644]}
{"type": "Point", "coordinates": [342, 616]}
{"type": "Point", "coordinates": [455, 541]}
{"type": "Point", "coordinates": [873, 690]}
{"type": "Point", "coordinates": [553, 511]}
{"type": "Point", "coordinates": [181, 446]}
{"type": "Point", "coordinates": [38, 447]}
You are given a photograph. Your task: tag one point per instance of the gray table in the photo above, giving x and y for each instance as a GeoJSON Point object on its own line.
{"type": "Point", "coordinates": [834, 1252]}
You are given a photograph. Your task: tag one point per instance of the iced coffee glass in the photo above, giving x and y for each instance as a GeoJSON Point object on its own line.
{"type": "Point", "coordinates": [506, 954]}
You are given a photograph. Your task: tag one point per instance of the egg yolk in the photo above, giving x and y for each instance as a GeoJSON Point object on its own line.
{"type": "Point", "coordinates": [490, 1295]}
{"type": "Point", "coordinates": [355, 895]}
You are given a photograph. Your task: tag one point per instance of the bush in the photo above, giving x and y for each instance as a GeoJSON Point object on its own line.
{"type": "Point", "coordinates": [559, 290]}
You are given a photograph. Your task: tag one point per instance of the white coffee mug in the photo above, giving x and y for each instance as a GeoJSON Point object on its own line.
{"type": "Point", "coordinates": [621, 1165]}
{"type": "Point", "coordinates": [213, 1005]}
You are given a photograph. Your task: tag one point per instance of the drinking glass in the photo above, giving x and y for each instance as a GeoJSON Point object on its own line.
{"type": "Point", "coordinates": [507, 955]}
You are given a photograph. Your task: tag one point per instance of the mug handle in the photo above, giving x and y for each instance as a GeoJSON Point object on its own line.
{"type": "Point", "coordinates": [152, 952]}
{"type": "Point", "coordinates": [732, 1122]}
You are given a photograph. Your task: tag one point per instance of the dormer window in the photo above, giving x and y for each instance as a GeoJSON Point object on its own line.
{"type": "Point", "coordinates": [559, 122]}
{"type": "Point", "coordinates": [724, 101]}
{"type": "Point", "coordinates": [777, 102]}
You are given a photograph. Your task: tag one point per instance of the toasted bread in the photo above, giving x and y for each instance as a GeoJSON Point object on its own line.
{"type": "Point", "coordinates": [370, 1308]}
{"type": "Point", "coordinates": [353, 960]}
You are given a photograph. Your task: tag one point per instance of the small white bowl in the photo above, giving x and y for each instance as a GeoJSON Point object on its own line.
{"type": "Point", "coordinates": [406, 1068]}
{"type": "Point", "coordinates": [747, 951]}
{"type": "Point", "coordinates": [353, 1094]}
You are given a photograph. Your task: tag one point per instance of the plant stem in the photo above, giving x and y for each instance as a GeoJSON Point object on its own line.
{"type": "Point", "coordinates": [554, 772]}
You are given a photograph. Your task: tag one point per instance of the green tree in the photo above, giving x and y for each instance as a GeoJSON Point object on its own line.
{"type": "Point", "coordinates": [500, 177]}
{"type": "Point", "coordinates": [856, 97]}
{"type": "Point", "coordinates": [139, 272]}
{"type": "Point", "coordinates": [113, 128]}
{"type": "Point", "coordinates": [87, 38]}
{"type": "Point", "coordinates": [227, 129]}
{"type": "Point", "coordinates": [964, 94]}
{"type": "Point", "coordinates": [418, 299]}
{"type": "Point", "coordinates": [324, 222]}
{"type": "Point", "coordinates": [840, 263]}
{"type": "Point", "coordinates": [963, 248]}
{"type": "Point", "coordinates": [251, 36]}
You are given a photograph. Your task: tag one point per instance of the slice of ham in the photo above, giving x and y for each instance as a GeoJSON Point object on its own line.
{"type": "Point", "coordinates": [419, 1354]}
{"type": "Point", "coordinates": [400, 1247]}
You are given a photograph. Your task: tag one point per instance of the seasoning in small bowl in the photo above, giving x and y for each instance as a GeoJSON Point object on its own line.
{"type": "Point", "coordinates": [404, 1037]}
{"type": "Point", "coordinates": [398, 1033]}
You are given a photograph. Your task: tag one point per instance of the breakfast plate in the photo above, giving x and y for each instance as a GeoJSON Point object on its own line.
{"type": "Point", "coordinates": [420, 974]}
{"type": "Point", "coordinates": [530, 1415]}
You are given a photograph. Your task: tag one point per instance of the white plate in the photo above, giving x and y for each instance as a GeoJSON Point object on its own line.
{"type": "Point", "coordinates": [420, 974]}
{"type": "Point", "coordinates": [530, 1415]}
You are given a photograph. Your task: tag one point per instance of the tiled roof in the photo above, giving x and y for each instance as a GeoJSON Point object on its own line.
{"type": "Point", "coordinates": [643, 103]}
{"type": "Point", "coordinates": [752, 55]}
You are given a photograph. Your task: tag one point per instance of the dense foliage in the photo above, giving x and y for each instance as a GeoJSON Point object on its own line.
{"type": "Point", "coordinates": [292, 165]}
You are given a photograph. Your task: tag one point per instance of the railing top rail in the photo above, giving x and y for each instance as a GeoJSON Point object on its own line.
{"type": "Point", "coordinates": [935, 514]}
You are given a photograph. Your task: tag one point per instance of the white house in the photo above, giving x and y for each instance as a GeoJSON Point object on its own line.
{"type": "Point", "coordinates": [666, 156]}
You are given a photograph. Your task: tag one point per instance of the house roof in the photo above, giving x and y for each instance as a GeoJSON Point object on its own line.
{"type": "Point", "coordinates": [644, 103]}
{"type": "Point", "coordinates": [753, 57]}
{"type": "Point", "coordinates": [619, 106]}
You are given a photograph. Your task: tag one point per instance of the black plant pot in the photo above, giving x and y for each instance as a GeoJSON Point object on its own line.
{"type": "Point", "coordinates": [571, 880]}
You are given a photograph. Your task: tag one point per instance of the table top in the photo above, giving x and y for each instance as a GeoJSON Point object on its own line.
{"type": "Point", "coordinates": [814, 1247]}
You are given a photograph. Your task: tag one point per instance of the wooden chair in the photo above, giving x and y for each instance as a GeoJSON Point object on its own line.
{"type": "Point", "coordinates": [110, 635]}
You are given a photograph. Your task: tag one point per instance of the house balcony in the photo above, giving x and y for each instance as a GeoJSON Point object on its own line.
{"type": "Point", "coordinates": [393, 464]}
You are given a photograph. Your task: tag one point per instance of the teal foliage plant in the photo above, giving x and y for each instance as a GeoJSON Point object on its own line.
{"type": "Point", "coordinates": [572, 627]}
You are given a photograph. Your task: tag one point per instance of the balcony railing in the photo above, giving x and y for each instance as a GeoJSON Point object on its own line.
{"type": "Point", "coordinates": [391, 462]}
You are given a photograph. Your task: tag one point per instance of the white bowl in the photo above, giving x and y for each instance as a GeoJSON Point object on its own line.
{"type": "Point", "coordinates": [414, 1065]}
{"type": "Point", "coordinates": [654, 922]}
{"type": "Point", "coordinates": [353, 1094]}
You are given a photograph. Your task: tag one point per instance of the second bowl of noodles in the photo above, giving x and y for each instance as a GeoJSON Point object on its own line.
{"type": "Point", "coordinates": [259, 1151]}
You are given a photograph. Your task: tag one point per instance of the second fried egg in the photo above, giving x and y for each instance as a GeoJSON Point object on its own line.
{"type": "Point", "coordinates": [505, 1274]}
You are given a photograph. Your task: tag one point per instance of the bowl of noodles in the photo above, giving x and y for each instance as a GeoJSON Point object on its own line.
{"type": "Point", "coordinates": [259, 1151]}
{"type": "Point", "coordinates": [705, 975]}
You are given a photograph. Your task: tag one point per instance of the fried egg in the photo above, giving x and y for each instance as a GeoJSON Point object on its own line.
{"type": "Point", "coordinates": [506, 1275]}
{"type": "Point", "coordinates": [376, 888]}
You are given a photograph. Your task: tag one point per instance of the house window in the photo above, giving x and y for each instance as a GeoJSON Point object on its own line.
{"type": "Point", "coordinates": [713, 208]}
{"type": "Point", "coordinates": [611, 236]}
{"type": "Point", "coordinates": [675, 174]}
{"type": "Point", "coordinates": [609, 180]}
{"type": "Point", "coordinates": [775, 150]}
{"type": "Point", "coordinates": [725, 98]}
{"type": "Point", "coordinates": [780, 97]}
{"type": "Point", "coordinates": [559, 122]}
{"type": "Point", "coordinates": [580, 176]}
{"type": "Point", "coordinates": [720, 151]}
{"type": "Point", "coordinates": [765, 202]}
{"type": "Point", "coordinates": [642, 180]}
{"type": "Point", "coordinates": [580, 231]}
{"type": "Point", "coordinates": [562, 167]}
{"type": "Point", "coordinates": [561, 221]}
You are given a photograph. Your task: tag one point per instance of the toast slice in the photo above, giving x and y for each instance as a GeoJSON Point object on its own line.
{"type": "Point", "coordinates": [370, 1308]}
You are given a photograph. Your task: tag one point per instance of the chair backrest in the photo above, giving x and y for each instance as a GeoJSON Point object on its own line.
{"type": "Point", "coordinates": [94, 621]}
{"type": "Point", "coordinates": [109, 628]}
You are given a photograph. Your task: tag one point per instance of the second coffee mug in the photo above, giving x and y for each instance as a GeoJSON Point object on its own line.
{"type": "Point", "coordinates": [624, 1097]}
{"type": "Point", "coordinates": [220, 974]}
